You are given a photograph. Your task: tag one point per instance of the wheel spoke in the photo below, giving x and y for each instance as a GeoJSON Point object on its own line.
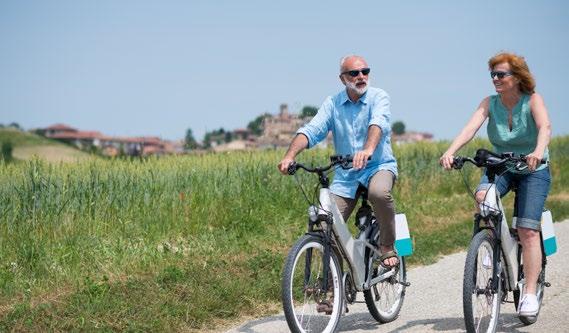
{"type": "Point", "coordinates": [384, 299]}
{"type": "Point", "coordinates": [481, 302]}
{"type": "Point", "coordinates": [307, 307]}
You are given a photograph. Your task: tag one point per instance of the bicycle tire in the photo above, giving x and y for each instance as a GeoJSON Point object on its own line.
{"type": "Point", "coordinates": [528, 320]}
{"type": "Point", "coordinates": [477, 295]}
{"type": "Point", "coordinates": [385, 299]}
{"type": "Point", "coordinates": [306, 307]}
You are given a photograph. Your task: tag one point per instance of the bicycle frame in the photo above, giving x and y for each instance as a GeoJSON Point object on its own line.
{"type": "Point", "coordinates": [493, 210]}
{"type": "Point", "coordinates": [353, 249]}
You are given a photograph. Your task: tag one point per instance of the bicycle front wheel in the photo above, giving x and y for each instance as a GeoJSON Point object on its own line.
{"type": "Point", "coordinates": [384, 299]}
{"type": "Point", "coordinates": [481, 304]}
{"type": "Point", "coordinates": [307, 307]}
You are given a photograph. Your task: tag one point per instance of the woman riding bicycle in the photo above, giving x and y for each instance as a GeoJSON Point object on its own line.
{"type": "Point", "coordinates": [517, 122]}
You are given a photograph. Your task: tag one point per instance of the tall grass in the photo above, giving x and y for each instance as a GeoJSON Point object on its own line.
{"type": "Point", "coordinates": [188, 242]}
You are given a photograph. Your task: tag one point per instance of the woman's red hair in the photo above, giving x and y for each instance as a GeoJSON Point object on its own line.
{"type": "Point", "coordinates": [519, 69]}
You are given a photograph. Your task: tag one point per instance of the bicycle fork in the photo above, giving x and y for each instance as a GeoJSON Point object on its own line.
{"type": "Point", "coordinates": [497, 250]}
{"type": "Point", "coordinates": [327, 238]}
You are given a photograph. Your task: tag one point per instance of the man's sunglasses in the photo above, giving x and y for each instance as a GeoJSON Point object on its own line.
{"type": "Point", "coordinates": [354, 73]}
{"type": "Point", "coordinates": [499, 75]}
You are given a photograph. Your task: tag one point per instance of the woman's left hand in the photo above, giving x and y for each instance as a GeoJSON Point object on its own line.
{"type": "Point", "coordinates": [533, 160]}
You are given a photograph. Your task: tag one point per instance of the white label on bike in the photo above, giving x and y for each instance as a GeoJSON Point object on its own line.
{"type": "Point", "coordinates": [548, 233]}
{"type": "Point", "coordinates": [403, 243]}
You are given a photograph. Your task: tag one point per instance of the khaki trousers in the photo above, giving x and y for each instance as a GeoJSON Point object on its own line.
{"type": "Point", "coordinates": [381, 200]}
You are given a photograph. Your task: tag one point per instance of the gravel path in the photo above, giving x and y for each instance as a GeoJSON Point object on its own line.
{"type": "Point", "coordinates": [433, 302]}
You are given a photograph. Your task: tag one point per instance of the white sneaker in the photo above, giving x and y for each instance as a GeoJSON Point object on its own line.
{"type": "Point", "coordinates": [528, 306]}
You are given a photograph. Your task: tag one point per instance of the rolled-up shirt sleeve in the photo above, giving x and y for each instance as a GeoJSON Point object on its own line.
{"type": "Point", "coordinates": [381, 114]}
{"type": "Point", "coordinates": [317, 129]}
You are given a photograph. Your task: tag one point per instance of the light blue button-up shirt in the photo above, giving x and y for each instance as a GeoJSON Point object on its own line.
{"type": "Point", "coordinates": [349, 124]}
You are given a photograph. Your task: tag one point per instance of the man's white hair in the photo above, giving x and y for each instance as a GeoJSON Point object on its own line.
{"type": "Point", "coordinates": [344, 58]}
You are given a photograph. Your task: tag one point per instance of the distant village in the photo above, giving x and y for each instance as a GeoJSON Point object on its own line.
{"type": "Point", "coordinates": [276, 131]}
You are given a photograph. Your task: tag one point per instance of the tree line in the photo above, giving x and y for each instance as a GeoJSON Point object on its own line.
{"type": "Point", "coordinates": [255, 127]}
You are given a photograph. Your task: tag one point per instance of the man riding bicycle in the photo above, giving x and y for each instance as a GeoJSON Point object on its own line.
{"type": "Point", "coordinates": [359, 119]}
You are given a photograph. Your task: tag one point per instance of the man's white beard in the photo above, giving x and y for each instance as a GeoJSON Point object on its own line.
{"type": "Point", "coordinates": [352, 86]}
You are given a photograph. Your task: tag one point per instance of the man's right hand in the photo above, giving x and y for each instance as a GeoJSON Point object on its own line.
{"type": "Point", "coordinates": [284, 164]}
{"type": "Point", "coordinates": [446, 161]}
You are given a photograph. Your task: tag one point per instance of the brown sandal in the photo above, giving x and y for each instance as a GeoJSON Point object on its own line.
{"type": "Point", "coordinates": [387, 255]}
{"type": "Point", "coordinates": [325, 306]}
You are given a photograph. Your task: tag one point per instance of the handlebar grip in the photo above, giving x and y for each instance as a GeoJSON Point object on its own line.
{"type": "Point", "coordinates": [457, 163]}
{"type": "Point", "coordinates": [344, 158]}
{"type": "Point", "coordinates": [542, 161]}
{"type": "Point", "coordinates": [291, 170]}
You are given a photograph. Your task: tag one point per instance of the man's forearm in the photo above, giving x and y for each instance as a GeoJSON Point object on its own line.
{"type": "Point", "coordinates": [373, 137]}
{"type": "Point", "coordinates": [298, 144]}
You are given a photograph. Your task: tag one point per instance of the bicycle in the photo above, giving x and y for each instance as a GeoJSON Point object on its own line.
{"type": "Point", "coordinates": [493, 264]}
{"type": "Point", "coordinates": [315, 288]}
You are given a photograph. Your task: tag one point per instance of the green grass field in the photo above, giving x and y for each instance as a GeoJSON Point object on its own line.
{"type": "Point", "coordinates": [192, 242]}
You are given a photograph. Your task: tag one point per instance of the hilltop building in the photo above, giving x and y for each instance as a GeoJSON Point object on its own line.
{"type": "Point", "coordinates": [279, 130]}
{"type": "Point", "coordinates": [409, 137]}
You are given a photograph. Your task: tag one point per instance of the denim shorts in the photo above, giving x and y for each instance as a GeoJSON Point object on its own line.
{"type": "Point", "coordinates": [532, 190]}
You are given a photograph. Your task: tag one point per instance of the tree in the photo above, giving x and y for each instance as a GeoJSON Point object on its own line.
{"type": "Point", "coordinates": [217, 136]}
{"type": "Point", "coordinates": [256, 126]}
{"type": "Point", "coordinates": [190, 142]}
{"type": "Point", "coordinates": [7, 148]}
{"type": "Point", "coordinates": [15, 125]}
{"type": "Point", "coordinates": [207, 140]}
{"type": "Point", "coordinates": [398, 127]}
{"type": "Point", "coordinates": [308, 111]}
{"type": "Point", "coordinates": [228, 137]}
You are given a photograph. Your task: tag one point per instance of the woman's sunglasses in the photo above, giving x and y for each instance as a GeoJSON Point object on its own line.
{"type": "Point", "coordinates": [499, 75]}
{"type": "Point", "coordinates": [354, 73]}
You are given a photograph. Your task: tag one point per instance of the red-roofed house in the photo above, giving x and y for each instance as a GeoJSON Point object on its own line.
{"type": "Point", "coordinates": [110, 146]}
{"type": "Point", "coordinates": [70, 135]}
{"type": "Point", "coordinates": [56, 129]}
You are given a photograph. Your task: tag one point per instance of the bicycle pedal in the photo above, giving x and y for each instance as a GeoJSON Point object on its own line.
{"type": "Point", "coordinates": [406, 284]}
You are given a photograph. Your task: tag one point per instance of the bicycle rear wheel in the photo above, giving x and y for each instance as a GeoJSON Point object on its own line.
{"type": "Point", "coordinates": [307, 307]}
{"type": "Point", "coordinates": [385, 299]}
{"type": "Point", "coordinates": [481, 304]}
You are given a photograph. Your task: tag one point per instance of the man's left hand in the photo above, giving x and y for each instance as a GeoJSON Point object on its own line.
{"type": "Point", "coordinates": [360, 159]}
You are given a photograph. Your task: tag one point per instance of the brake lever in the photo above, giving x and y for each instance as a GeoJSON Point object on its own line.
{"type": "Point", "coordinates": [345, 165]}
{"type": "Point", "coordinates": [521, 166]}
{"type": "Point", "coordinates": [291, 170]}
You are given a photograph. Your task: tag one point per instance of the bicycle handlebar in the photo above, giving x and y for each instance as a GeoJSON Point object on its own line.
{"type": "Point", "coordinates": [490, 160]}
{"type": "Point", "coordinates": [342, 160]}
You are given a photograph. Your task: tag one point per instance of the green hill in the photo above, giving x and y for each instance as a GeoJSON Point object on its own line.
{"type": "Point", "coordinates": [27, 145]}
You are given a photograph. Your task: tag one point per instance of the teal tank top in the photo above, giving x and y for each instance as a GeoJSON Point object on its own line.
{"type": "Point", "coordinates": [522, 139]}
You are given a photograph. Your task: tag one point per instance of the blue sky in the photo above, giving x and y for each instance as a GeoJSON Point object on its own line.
{"type": "Point", "coordinates": [160, 67]}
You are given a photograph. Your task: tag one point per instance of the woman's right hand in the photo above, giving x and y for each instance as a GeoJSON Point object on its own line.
{"type": "Point", "coordinates": [446, 161]}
